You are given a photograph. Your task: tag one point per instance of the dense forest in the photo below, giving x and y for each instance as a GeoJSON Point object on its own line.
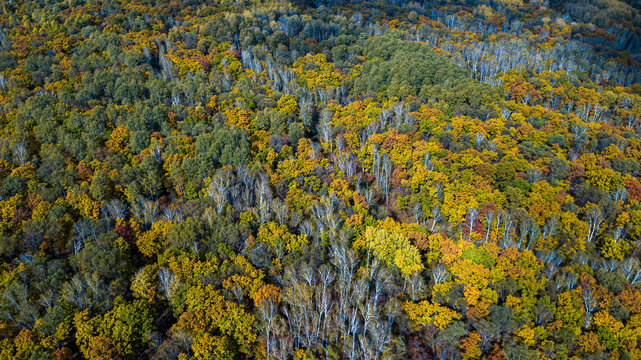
{"type": "Point", "coordinates": [264, 179]}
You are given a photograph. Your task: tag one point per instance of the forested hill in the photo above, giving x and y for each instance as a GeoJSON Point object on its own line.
{"type": "Point", "coordinates": [320, 179]}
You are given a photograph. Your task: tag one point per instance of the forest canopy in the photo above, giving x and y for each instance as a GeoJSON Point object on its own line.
{"type": "Point", "coordinates": [320, 179]}
{"type": "Point", "coordinates": [405, 69]}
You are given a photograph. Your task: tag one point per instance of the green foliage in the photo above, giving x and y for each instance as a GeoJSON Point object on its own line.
{"type": "Point", "coordinates": [405, 69]}
{"type": "Point", "coordinates": [120, 333]}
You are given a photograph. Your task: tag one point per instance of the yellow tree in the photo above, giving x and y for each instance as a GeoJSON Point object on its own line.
{"type": "Point", "coordinates": [392, 248]}
{"type": "Point", "coordinates": [118, 334]}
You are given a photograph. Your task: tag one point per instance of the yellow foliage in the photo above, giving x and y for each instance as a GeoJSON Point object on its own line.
{"type": "Point", "coordinates": [604, 319]}
{"type": "Point", "coordinates": [314, 70]}
{"type": "Point", "coordinates": [239, 117]}
{"type": "Point", "coordinates": [87, 207]}
{"type": "Point", "coordinates": [8, 207]}
{"type": "Point", "coordinates": [278, 235]}
{"type": "Point", "coordinates": [526, 335]}
{"type": "Point", "coordinates": [119, 139]}
{"type": "Point", "coordinates": [425, 313]}
{"type": "Point", "coordinates": [392, 248]}
{"type": "Point", "coordinates": [144, 283]}
{"type": "Point", "coordinates": [151, 242]}
{"type": "Point", "coordinates": [211, 347]}
{"type": "Point", "coordinates": [470, 348]}
{"type": "Point", "coordinates": [265, 293]}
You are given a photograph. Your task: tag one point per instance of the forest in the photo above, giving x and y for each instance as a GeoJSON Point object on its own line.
{"type": "Point", "coordinates": [320, 179]}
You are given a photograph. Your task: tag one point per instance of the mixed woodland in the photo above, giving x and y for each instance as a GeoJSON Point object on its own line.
{"type": "Point", "coordinates": [320, 179]}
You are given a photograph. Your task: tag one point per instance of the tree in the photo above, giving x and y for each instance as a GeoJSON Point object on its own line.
{"type": "Point", "coordinates": [425, 313]}
{"type": "Point", "coordinates": [393, 249]}
{"type": "Point", "coordinates": [118, 334]}
{"type": "Point", "coordinates": [102, 188]}
{"type": "Point", "coordinates": [207, 313]}
{"type": "Point", "coordinates": [595, 219]}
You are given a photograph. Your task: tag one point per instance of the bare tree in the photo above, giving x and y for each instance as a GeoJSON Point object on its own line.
{"type": "Point", "coordinates": [620, 194]}
{"type": "Point", "coordinates": [264, 195]}
{"type": "Point", "coordinates": [417, 287]}
{"type": "Point", "coordinates": [369, 196]}
{"type": "Point", "coordinates": [384, 176]}
{"type": "Point", "coordinates": [247, 180]}
{"type": "Point", "coordinates": [525, 226]}
{"type": "Point", "coordinates": [83, 231]}
{"type": "Point", "coordinates": [489, 217]}
{"type": "Point", "coordinates": [436, 216]}
{"type": "Point", "coordinates": [173, 213]}
{"type": "Point", "coordinates": [478, 139]}
{"type": "Point", "coordinates": [20, 154]}
{"type": "Point", "coordinates": [326, 133]}
{"type": "Point", "coordinates": [267, 322]}
{"type": "Point", "coordinates": [15, 306]}
{"type": "Point", "coordinates": [167, 281]}
{"type": "Point", "coordinates": [543, 314]}
{"type": "Point", "coordinates": [589, 301]}
{"type": "Point", "coordinates": [472, 213]}
{"type": "Point", "coordinates": [439, 274]}
{"type": "Point", "coordinates": [580, 132]}
{"type": "Point", "coordinates": [116, 209]}
{"type": "Point", "coordinates": [146, 211]}
{"type": "Point", "coordinates": [281, 210]}
{"type": "Point", "coordinates": [595, 219]}
{"type": "Point", "coordinates": [418, 211]}
{"type": "Point", "coordinates": [218, 190]}
{"type": "Point", "coordinates": [550, 228]}
{"type": "Point", "coordinates": [631, 270]}
{"type": "Point", "coordinates": [74, 291]}
{"type": "Point", "coordinates": [534, 175]}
